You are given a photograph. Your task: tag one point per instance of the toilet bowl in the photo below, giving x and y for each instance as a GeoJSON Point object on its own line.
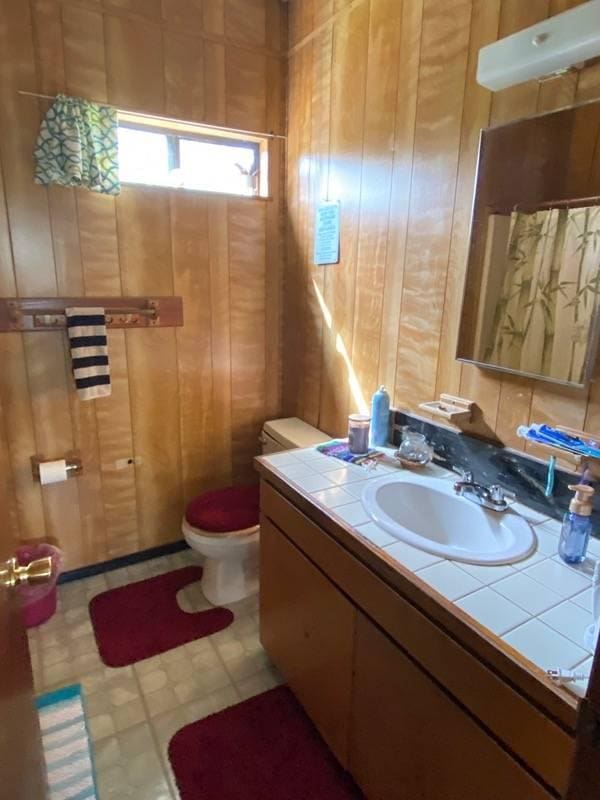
{"type": "Point", "coordinates": [230, 568]}
{"type": "Point", "coordinates": [222, 526]}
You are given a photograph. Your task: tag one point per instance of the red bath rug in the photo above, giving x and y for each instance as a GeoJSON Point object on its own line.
{"type": "Point", "coordinates": [265, 748]}
{"type": "Point", "coordinates": [143, 619]}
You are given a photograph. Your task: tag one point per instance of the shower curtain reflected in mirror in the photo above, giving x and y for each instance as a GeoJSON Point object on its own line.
{"type": "Point", "coordinates": [541, 281]}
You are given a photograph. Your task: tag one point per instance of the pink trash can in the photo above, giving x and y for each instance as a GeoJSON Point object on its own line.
{"type": "Point", "coordinates": [38, 603]}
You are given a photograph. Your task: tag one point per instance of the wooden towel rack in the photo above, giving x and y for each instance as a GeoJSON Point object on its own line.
{"type": "Point", "coordinates": [48, 313]}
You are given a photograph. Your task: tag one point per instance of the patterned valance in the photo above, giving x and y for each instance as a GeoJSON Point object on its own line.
{"type": "Point", "coordinates": [77, 146]}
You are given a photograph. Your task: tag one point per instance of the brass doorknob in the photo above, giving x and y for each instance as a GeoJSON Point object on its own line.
{"type": "Point", "coordinates": [38, 571]}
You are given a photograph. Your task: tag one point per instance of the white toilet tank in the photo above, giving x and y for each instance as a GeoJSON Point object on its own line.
{"type": "Point", "coordinates": [284, 434]}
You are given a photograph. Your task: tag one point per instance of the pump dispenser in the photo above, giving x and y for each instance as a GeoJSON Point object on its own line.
{"type": "Point", "coordinates": [577, 525]}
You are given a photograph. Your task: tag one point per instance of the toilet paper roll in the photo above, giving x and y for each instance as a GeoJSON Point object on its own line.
{"type": "Point", "coordinates": [53, 471]}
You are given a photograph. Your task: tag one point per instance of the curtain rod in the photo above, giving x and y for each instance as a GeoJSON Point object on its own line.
{"type": "Point", "coordinates": [167, 119]}
{"type": "Point", "coordinates": [574, 202]}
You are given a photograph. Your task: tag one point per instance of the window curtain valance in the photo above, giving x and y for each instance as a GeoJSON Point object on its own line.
{"type": "Point", "coordinates": [77, 146]}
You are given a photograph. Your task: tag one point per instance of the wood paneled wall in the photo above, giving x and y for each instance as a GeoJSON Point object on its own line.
{"type": "Point", "coordinates": [187, 403]}
{"type": "Point", "coordinates": [384, 114]}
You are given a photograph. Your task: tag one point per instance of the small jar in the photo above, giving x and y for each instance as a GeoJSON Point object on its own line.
{"type": "Point", "coordinates": [414, 449]}
{"type": "Point", "coordinates": [358, 434]}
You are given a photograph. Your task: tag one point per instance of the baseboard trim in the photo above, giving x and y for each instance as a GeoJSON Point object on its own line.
{"type": "Point", "coordinates": [122, 561]}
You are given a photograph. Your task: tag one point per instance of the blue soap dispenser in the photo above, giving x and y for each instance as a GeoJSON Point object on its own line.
{"type": "Point", "coordinates": [577, 525]}
{"type": "Point", "coordinates": [380, 418]}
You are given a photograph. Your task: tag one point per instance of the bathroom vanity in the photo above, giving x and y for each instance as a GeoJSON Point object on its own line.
{"type": "Point", "coordinates": [414, 696]}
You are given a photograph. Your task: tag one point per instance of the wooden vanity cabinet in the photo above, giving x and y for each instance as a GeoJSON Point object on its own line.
{"type": "Point", "coordinates": [409, 739]}
{"type": "Point", "coordinates": [388, 718]}
{"type": "Point", "coordinates": [307, 627]}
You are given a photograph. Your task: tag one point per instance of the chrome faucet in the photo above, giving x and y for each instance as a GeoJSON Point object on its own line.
{"type": "Point", "coordinates": [493, 497]}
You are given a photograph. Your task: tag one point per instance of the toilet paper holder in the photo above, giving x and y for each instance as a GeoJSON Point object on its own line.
{"type": "Point", "coordinates": [74, 466]}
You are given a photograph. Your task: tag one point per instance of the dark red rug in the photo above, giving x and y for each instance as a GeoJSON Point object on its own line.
{"type": "Point", "coordinates": [265, 748]}
{"type": "Point", "coordinates": [143, 619]}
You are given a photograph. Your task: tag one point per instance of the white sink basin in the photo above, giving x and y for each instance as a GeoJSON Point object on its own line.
{"type": "Point", "coordinates": [426, 513]}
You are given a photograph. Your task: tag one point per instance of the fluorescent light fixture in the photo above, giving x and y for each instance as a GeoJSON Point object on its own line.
{"type": "Point", "coordinates": [546, 48]}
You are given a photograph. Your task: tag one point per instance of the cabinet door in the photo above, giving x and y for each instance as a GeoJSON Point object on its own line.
{"type": "Point", "coordinates": [584, 780]}
{"type": "Point", "coordinates": [307, 628]}
{"type": "Point", "coordinates": [409, 739]}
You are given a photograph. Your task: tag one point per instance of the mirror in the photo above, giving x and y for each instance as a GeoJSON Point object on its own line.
{"type": "Point", "coordinates": [533, 275]}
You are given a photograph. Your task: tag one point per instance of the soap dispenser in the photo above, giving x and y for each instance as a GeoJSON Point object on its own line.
{"type": "Point", "coordinates": [577, 525]}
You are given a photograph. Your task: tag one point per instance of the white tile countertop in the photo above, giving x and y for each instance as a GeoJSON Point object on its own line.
{"type": "Point", "coordinates": [539, 606]}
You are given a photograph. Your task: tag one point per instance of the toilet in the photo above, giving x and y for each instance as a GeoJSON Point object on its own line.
{"type": "Point", "coordinates": [222, 525]}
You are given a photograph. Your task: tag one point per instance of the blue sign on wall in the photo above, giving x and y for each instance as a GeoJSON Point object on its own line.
{"type": "Point", "coordinates": [327, 233]}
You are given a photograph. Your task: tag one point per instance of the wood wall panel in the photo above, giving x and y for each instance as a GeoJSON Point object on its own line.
{"type": "Point", "coordinates": [440, 97]}
{"type": "Point", "coordinates": [400, 189]}
{"type": "Point", "coordinates": [184, 76]}
{"type": "Point", "coordinates": [191, 275]}
{"type": "Point", "coordinates": [186, 404]}
{"type": "Point", "coordinates": [186, 13]}
{"type": "Point", "coordinates": [134, 62]}
{"type": "Point", "coordinates": [220, 329]}
{"type": "Point", "coordinates": [115, 441]}
{"type": "Point", "coordinates": [403, 169]}
{"type": "Point", "coordinates": [318, 132]}
{"type": "Point", "coordinates": [83, 44]}
{"type": "Point", "coordinates": [20, 436]}
{"type": "Point", "coordinates": [247, 252]}
{"type": "Point", "coordinates": [8, 497]}
{"type": "Point", "coordinates": [385, 25]}
{"type": "Point", "coordinates": [348, 90]}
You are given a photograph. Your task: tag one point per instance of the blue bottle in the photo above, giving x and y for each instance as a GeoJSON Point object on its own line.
{"type": "Point", "coordinates": [380, 418]}
{"type": "Point", "coordinates": [577, 525]}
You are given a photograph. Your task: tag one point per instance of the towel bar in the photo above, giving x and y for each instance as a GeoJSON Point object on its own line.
{"type": "Point", "coordinates": [48, 313]}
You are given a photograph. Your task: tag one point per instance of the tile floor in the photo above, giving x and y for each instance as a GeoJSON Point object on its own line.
{"type": "Point", "coordinates": [134, 711]}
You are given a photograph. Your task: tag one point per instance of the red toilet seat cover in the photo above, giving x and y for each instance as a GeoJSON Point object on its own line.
{"type": "Point", "coordinates": [224, 510]}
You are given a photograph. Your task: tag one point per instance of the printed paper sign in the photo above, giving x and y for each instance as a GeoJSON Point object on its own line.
{"type": "Point", "coordinates": [327, 233]}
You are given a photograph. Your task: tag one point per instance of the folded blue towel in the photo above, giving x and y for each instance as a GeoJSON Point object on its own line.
{"type": "Point", "coordinates": [338, 448]}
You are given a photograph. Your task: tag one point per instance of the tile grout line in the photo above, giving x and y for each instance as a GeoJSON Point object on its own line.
{"type": "Point", "coordinates": [166, 770]}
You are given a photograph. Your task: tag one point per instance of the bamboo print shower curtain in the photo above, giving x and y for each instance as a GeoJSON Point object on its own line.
{"type": "Point", "coordinates": [549, 294]}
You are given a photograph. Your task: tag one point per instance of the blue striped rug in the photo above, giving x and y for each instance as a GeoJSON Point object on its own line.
{"type": "Point", "coordinates": [66, 745]}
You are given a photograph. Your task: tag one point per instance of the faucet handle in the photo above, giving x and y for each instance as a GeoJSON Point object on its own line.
{"type": "Point", "coordinates": [464, 474]}
{"type": "Point", "coordinates": [499, 495]}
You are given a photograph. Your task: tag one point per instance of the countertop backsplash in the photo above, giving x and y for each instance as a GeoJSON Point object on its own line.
{"type": "Point", "coordinates": [489, 463]}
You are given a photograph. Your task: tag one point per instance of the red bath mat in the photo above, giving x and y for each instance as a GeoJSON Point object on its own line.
{"type": "Point", "coordinates": [143, 619]}
{"type": "Point", "coordinates": [265, 748]}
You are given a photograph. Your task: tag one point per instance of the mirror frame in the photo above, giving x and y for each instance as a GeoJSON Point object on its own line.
{"type": "Point", "coordinates": [594, 338]}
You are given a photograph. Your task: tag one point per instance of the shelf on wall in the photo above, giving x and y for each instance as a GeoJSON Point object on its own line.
{"type": "Point", "coordinates": [576, 461]}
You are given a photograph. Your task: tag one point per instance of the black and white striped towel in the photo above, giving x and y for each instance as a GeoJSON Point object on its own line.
{"type": "Point", "coordinates": [89, 353]}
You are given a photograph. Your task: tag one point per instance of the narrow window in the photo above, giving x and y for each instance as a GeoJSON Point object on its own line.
{"type": "Point", "coordinates": [188, 156]}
